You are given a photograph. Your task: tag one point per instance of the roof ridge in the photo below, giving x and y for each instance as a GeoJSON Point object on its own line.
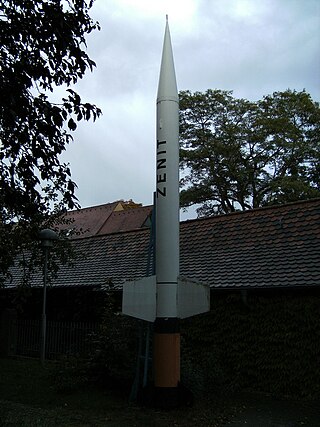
{"type": "Point", "coordinates": [94, 207]}
{"type": "Point", "coordinates": [254, 210]}
{"type": "Point", "coordinates": [132, 210]}
{"type": "Point", "coordinates": [95, 236]}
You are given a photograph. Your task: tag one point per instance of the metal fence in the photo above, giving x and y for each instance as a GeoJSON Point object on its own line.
{"type": "Point", "coordinates": [62, 338]}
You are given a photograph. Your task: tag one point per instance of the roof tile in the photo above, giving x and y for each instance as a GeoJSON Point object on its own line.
{"type": "Point", "coordinates": [270, 247]}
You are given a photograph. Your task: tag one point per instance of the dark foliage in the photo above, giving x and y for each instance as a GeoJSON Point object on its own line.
{"type": "Point", "coordinates": [116, 346]}
{"type": "Point", "coordinates": [42, 47]}
{"type": "Point", "coordinates": [238, 155]}
{"type": "Point", "coordinates": [264, 344]}
{"type": "Point", "coordinates": [271, 345]}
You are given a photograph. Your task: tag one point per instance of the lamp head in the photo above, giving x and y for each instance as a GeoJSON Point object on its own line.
{"type": "Point", "coordinates": [47, 237]}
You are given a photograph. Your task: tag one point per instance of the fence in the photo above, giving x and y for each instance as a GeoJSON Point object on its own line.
{"type": "Point", "coordinates": [62, 338]}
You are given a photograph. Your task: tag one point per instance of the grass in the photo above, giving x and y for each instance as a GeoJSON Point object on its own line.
{"type": "Point", "coordinates": [29, 397]}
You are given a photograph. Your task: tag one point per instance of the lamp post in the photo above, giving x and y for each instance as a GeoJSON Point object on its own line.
{"type": "Point", "coordinates": [47, 238]}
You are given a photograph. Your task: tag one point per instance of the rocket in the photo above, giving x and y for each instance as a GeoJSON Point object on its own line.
{"type": "Point", "coordinates": [167, 184]}
{"type": "Point", "coordinates": [165, 297]}
{"type": "Point", "coordinates": [166, 338]}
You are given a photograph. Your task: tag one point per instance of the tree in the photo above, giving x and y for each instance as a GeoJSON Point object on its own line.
{"type": "Point", "coordinates": [238, 155]}
{"type": "Point", "coordinates": [42, 47]}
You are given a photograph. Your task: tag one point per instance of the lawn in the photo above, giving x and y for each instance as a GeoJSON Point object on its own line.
{"type": "Point", "coordinates": [29, 396]}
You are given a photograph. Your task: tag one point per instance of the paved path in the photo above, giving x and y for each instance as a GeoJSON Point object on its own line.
{"type": "Point", "coordinates": [265, 411]}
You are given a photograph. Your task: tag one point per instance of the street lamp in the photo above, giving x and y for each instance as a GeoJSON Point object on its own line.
{"type": "Point", "coordinates": [47, 238]}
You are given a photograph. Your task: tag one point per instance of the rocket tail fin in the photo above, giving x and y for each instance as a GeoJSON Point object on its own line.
{"type": "Point", "coordinates": [140, 298]}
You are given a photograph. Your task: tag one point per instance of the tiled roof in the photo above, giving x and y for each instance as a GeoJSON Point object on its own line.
{"type": "Point", "coordinates": [107, 218]}
{"type": "Point", "coordinates": [108, 260]}
{"type": "Point", "coordinates": [126, 220]}
{"type": "Point", "coordinates": [269, 247]}
{"type": "Point", "coordinates": [88, 221]}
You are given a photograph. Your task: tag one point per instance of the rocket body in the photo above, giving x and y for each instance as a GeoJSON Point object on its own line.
{"type": "Point", "coordinates": [167, 182]}
{"type": "Point", "coordinates": [165, 297]}
{"type": "Point", "coordinates": [166, 340]}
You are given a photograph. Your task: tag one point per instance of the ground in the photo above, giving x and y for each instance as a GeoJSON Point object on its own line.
{"type": "Point", "coordinates": [32, 396]}
{"type": "Point", "coordinates": [264, 410]}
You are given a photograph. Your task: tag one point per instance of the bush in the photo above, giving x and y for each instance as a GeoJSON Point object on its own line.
{"type": "Point", "coordinates": [116, 344]}
{"type": "Point", "coordinates": [272, 345]}
{"type": "Point", "coordinates": [113, 357]}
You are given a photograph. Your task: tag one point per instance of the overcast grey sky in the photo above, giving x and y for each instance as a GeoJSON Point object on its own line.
{"type": "Point", "coordinates": [251, 47]}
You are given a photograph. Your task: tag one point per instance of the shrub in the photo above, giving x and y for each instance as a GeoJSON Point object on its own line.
{"type": "Point", "coordinates": [272, 345]}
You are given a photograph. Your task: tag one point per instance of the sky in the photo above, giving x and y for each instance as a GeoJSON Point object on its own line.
{"type": "Point", "coordinates": [251, 47]}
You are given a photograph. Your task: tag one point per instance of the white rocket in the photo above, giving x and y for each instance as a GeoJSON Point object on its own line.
{"type": "Point", "coordinates": [167, 179]}
{"type": "Point", "coordinates": [166, 297]}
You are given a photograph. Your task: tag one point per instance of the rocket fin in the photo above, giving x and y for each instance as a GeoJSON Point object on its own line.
{"type": "Point", "coordinates": [193, 298]}
{"type": "Point", "coordinates": [139, 298]}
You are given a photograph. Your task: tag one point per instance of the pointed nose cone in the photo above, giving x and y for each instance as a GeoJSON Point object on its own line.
{"type": "Point", "coordinates": [167, 89]}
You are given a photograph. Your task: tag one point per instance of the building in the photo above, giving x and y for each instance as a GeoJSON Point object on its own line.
{"type": "Point", "coordinates": [267, 248]}
{"type": "Point", "coordinates": [263, 268]}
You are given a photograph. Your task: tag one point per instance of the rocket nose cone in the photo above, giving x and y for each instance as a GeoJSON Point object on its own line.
{"type": "Point", "coordinates": [167, 88]}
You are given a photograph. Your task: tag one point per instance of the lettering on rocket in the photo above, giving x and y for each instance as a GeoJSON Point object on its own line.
{"type": "Point", "coordinates": [161, 164]}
